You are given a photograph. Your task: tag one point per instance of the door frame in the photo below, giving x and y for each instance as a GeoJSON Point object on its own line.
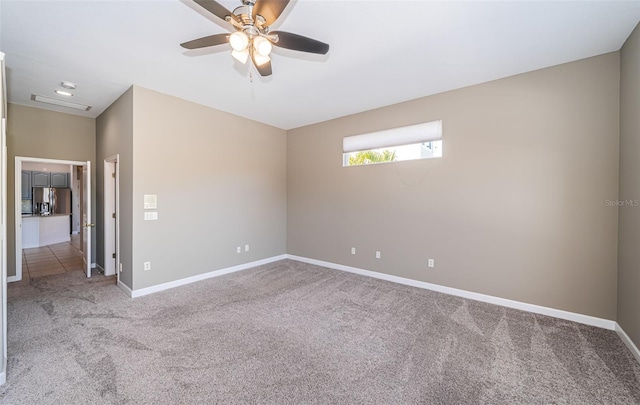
{"type": "Point", "coordinates": [3, 218]}
{"type": "Point", "coordinates": [87, 224]}
{"type": "Point", "coordinates": [111, 204]}
{"type": "Point", "coordinates": [18, 202]}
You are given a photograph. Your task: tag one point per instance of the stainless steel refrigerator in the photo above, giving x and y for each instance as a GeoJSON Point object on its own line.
{"type": "Point", "coordinates": [51, 201]}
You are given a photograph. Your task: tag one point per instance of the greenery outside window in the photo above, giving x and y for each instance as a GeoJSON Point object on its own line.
{"type": "Point", "coordinates": [421, 141]}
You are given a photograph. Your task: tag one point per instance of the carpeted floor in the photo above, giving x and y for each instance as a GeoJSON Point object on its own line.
{"type": "Point", "coordinates": [291, 333]}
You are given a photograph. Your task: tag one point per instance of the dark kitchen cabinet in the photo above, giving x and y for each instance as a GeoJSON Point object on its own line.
{"type": "Point", "coordinates": [59, 180]}
{"type": "Point", "coordinates": [26, 185]}
{"type": "Point", "coordinates": [40, 179]}
{"type": "Point", "coordinates": [49, 179]}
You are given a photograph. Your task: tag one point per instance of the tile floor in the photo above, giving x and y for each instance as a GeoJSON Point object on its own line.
{"type": "Point", "coordinates": [52, 259]}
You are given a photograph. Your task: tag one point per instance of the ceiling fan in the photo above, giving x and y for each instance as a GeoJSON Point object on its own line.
{"type": "Point", "coordinates": [252, 38]}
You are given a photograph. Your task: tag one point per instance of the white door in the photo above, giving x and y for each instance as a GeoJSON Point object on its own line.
{"type": "Point", "coordinates": [3, 244]}
{"type": "Point", "coordinates": [86, 217]}
{"type": "Point", "coordinates": [110, 213]}
{"type": "Point", "coordinates": [3, 219]}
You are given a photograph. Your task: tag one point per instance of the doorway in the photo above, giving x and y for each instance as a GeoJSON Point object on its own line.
{"type": "Point", "coordinates": [84, 213]}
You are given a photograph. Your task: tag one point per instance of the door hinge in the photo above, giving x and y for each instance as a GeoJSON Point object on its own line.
{"type": "Point", "coordinates": [113, 175]}
{"type": "Point", "coordinates": [113, 215]}
{"type": "Point", "coordinates": [113, 255]}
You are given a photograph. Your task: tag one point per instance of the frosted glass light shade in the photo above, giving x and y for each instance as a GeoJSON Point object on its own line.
{"type": "Point", "coordinates": [260, 59]}
{"type": "Point", "coordinates": [240, 56]}
{"type": "Point", "coordinates": [262, 46]}
{"type": "Point", "coordinates": [239, 41]}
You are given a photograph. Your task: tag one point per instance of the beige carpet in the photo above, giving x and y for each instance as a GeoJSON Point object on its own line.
{"type": "Point", "coordinates": [291, 333]}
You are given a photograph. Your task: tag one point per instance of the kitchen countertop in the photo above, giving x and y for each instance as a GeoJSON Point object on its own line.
{"type": "Point", "coordinates": [44, 216]}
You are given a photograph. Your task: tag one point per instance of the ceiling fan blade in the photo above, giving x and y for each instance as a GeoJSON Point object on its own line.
{"type": "Point", "coordinates": [269, 9]}
{"type": "Point", "coordinates": [299, 43]}
{"type": "Point", "coordinates": [216, 9]}
{"type": "Point", "coordinates": [264, 69]}
{"type": "Point", "coordinates": [211, 40]}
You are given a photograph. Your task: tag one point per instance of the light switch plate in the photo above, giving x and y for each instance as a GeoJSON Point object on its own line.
{"type": "Point", "coordinates": [150, 201]}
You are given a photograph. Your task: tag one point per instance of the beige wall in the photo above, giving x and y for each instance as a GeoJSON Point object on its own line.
{"type": "Point", "coordinates": [629, 215]}
{"type": "Point", "coordinates": [220, 181]}
{"type": "Point", "coordinates": [46, 167]}
{"type": "Point", "coordinates": [32, 132]}
{"type": "Point", "coordinates": [114, 136]}
{"type": "Point", "coordinates": [515, 208]}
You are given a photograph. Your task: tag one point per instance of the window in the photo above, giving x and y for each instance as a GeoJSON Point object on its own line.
{"type": "Point", "coordinates": [421, 141]}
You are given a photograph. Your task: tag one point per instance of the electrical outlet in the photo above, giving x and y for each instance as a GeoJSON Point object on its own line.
{"type": "Point", "coordinates": [431, 263]}
{"type": "Point", "coordinates": [377, 255]}
{"type": "Point", "coordinates": [246, 248]}
{"type": "Point", "coordinates": [239, 249]}
{"type": "Point", "coordinates": [353, 251]}
{"type": "Point", "coordinates": [147, 266]}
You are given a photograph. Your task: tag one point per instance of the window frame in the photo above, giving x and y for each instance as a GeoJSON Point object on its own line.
{"type": "Point", "coordinates": [418, 134]}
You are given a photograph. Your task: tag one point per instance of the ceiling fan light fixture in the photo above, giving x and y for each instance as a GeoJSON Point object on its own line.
{"type": "Point", "coordinates": [262, 46]}
{"type": "Point", "coordinates": [260, 59]}
{"type": "Point", "coordinates": [239, 41]}
{"type": "Point", "coordinates": [240, 56]}
{"type": "Point", "coordinates": [251, 36]}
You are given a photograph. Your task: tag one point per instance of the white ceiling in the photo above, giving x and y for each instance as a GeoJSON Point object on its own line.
{"type": "Point", "coordinates": [382, 52]}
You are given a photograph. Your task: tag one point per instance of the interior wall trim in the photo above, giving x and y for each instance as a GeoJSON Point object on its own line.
{"type": "Point", "coordinates": [523, 306]}
{"type": "Point", "coordinates": [628, 342]}
{"type": "Point", "coordinates": [125, 288]}
{"type": "Point", "coordinates": [188, 280]}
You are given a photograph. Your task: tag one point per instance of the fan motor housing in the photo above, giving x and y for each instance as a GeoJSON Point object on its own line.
{"type": "Point", "coordinates": [250, 26]}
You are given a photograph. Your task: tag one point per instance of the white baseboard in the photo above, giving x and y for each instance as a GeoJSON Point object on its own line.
{"type": "Point", "coordinates": [628, 342]}
{"type": "Point", "coordinates": [199, 277]}
{"type": "Point", "coordinates": [537, 309]}
{"type": "Point", "coordinates": [125, 288]}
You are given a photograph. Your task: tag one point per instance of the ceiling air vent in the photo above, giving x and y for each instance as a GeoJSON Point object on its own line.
{"type": "Point", "coordinates": [60, 103]}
